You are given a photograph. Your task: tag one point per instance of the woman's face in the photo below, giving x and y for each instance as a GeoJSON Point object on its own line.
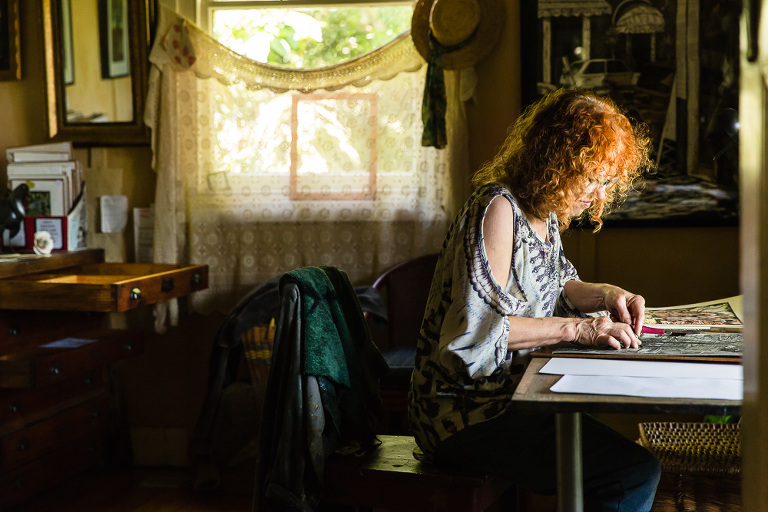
{"type": "Point", "coordinates": [595, 189]}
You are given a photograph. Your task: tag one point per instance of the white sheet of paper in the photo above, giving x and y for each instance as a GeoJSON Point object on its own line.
{"type": "Point", "coordinates": [114, 213]}
{"type": "Point", "coordinates": [630, 368]}
{"type": "Point", "coordinates": [655, 387]}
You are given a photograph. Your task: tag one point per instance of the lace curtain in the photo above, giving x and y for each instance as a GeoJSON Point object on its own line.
{"type": "Point", "coordinates": [254, 178]}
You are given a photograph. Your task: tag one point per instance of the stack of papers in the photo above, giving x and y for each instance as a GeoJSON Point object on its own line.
{"type": "Point", "coordinates": [643, 378]}
{"type": "Point", "coordinates": [54, 178]}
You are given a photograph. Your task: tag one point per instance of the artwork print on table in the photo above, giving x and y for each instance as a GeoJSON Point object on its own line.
{"type": "Point", "coordinates": [719, 313]}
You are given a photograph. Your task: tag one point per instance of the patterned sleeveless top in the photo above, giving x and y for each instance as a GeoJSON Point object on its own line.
{"type": "Point", "coordinates": [464, 373]}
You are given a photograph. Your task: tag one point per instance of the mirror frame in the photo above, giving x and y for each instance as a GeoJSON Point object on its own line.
{"type": "Point", "coordinates": [125, 133]}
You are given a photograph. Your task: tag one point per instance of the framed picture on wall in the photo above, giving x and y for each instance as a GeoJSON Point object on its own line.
{"type": "Point", "coordinates": [10, 44]}
{"type": "Point", "coordinates": [67, 57]}
{"type": "Point", "coordinates": [114, 38]}
{"type": "Point", "coordinates": [670, 64]}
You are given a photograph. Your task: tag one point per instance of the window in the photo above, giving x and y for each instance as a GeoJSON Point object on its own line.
{"type": "Point", "coordinates": [266, 167]}
{"type": "Point", "coordinates": [352, 144]}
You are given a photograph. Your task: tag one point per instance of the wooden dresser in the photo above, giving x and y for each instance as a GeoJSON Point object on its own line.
{"type": "Point", "coordinates": [56, 346]}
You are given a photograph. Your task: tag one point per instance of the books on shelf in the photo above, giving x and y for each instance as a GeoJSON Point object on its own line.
{"type": "Point", "coordinates": [40, 176]}
{"type": "Point", "coordinates": [53, 152]}
{"type": "Point", "coordinates": [55, 199]}
{"type": "Point", "coordinates": [54, 185]}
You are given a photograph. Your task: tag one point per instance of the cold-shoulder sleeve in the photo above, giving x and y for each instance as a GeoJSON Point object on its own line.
{"type": "Point", "coordinates": [475, 330]}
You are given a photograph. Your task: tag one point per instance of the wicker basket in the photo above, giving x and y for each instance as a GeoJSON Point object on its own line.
{"type": "Point", "coordinates": [257, 348]}
{"type": "Point", "coordinates": [700, 462]}
{"type": "Point", "coordinates": [694, 448]}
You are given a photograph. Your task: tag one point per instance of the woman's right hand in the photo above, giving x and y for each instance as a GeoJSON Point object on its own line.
{"type": "Point", "coordinates": [602, 331]}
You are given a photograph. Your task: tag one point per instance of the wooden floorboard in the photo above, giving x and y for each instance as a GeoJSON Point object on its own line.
{"type": "Point", "coordinates": [143, 490]}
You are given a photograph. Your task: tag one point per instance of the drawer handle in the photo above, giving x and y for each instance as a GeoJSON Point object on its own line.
{"type": "Point", "coordinates": [128, 345]}
{"type": "Point", "coordinates": [55, 369]}
{"type": "Point", "coordinates": [22, 444]}
{"type": "Point", "coordinates": [88, 380]}
{"type": "Point", "coordinates": [13, 330]}
{"type": "Point", "coordinates": [166, 285]}
{"type": "Point", "coordinates": [196, 279]}
{"type": "Point", "coordinates": [135, 293]}
{"type": "Point", "coordinates": [15, 406]}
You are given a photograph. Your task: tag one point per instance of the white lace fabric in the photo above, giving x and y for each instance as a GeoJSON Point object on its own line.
{"type": "Point", "coordinates": [253, 205]}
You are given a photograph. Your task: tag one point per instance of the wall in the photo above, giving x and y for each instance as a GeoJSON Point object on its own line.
{"type": "Point", "coordinates": [22, 107]}
{"type": "Point", "coordinates": [667, 266]}
{"type": "Point", "coordinates": [497, 99]}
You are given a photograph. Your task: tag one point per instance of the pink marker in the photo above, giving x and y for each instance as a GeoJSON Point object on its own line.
{"type": "Point", "coordinates": [651, 330]}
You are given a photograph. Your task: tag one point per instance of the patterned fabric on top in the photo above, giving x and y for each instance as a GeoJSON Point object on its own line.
{"type": "Point", "coordinates": [464, 373]}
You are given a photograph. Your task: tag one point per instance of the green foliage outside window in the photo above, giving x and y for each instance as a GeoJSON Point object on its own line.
{"type": "Point", "coordinates": [309, 38]}
{"type": "Point", "coordinates": [254, 136]}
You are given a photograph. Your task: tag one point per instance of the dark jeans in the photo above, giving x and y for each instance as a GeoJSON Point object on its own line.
{"type": "Point", "coordinates": [619, 474]}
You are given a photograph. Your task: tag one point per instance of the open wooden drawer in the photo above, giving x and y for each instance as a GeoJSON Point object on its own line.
{"type": "Point", "coordinates": [82, 281]}
{"type": "Point", "coordinates": [56, 350]}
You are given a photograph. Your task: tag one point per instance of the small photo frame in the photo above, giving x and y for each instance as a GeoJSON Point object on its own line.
{"type": "Point", "coordinates": [10, 43]}
{"type": "Point", "coordinates": [114, 38]}
{"type": "Point", "coordinates": [54, 226]}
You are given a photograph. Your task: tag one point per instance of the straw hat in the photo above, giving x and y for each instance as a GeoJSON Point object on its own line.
{"type": "Point", "coordinates": [467, 29]}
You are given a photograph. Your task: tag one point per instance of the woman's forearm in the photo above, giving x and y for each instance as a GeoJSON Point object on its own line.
{"type": "Point", "coordinates": [586, 297]}
{"type": "Point", "coordinates": [623, 306]}
{"type": "Point", "coordinates": [627, 313]}
{"type": "Point", "coordinates": [527, 332]}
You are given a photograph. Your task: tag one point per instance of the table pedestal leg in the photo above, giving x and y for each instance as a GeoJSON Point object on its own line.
{"type": "Point", "coordinates": [570, 492]}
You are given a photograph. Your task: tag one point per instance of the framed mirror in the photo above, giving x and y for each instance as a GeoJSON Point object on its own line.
{"type": "Point", "coordinates": [96, 65]}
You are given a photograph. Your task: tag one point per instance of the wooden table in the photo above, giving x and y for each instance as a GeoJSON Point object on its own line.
{"type": "Point", "coordinates": [533, 394]}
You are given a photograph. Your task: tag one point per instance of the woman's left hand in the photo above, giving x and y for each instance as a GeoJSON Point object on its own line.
{"type": "Point", "coordinates": [625, 306]}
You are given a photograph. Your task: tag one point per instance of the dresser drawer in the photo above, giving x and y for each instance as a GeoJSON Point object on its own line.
{"type": "Point", "coordinates": [58, 361]}
{"type": "Point", "coordinates": [27, 444]}
{"type": "Point", "coordinates": [19, 329]}
{"type": "Point", "coordinates": [101, 286]}
{"type": "Point", "coordinates": [20, 407]}
{"type": "Point", "coordinates": [29, 479]}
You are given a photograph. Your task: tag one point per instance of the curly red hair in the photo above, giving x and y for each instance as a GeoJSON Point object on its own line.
{"type": "Point", "coordinates": [558, 145]}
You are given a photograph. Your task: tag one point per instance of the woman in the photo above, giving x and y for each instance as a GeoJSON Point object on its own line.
{"type": "Point", "coordinates": [503, 288]}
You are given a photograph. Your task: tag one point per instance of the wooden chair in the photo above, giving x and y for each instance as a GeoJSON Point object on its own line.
{"type": "Point", "coordinates": [388, 477]}
{"type": "Point", "coordinates": [391, 479]}
{"type": "Point", "coordinates": [404, 289]}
